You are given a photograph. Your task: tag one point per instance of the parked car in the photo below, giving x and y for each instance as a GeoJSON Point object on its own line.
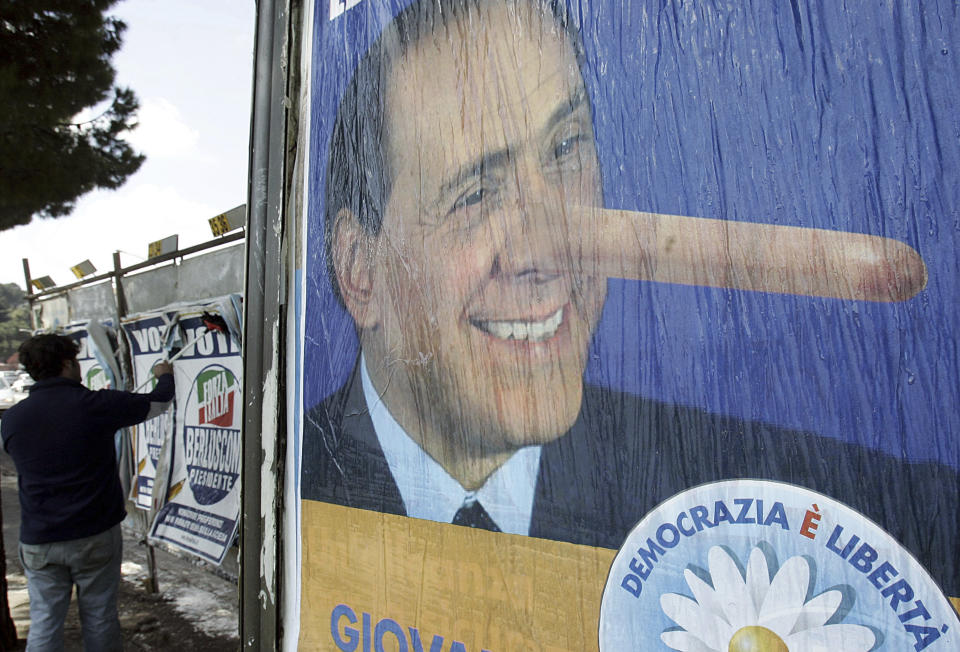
{"type": "Point", "coordinates": [23, 382]}
{"type": "Point", "coordinates": [9, 395]}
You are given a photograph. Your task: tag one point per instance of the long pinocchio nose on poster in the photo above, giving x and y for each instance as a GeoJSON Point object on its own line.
{"type": "Point", "coordinates": [743, 255]}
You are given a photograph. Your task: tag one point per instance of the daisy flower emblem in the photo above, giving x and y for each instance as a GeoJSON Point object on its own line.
{"type": "Point", "coordinates": [757, 612]}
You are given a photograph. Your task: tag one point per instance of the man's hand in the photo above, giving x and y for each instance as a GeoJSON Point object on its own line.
{"type": "Point", "coordinates": [162, 368]}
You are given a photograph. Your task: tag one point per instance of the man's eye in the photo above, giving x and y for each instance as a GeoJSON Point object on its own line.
{"type": "Point", "coordinates": [469, 199]}
{"type": "Point", "coordinates": [567, 147]}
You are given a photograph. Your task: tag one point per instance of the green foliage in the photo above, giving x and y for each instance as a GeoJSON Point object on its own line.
{"type": "Point", "coordinates": [14, 315]}
{"type": "Point", "coordinates": [55, 62]}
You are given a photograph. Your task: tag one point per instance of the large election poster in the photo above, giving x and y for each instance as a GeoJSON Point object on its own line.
{"type": "Point", "coordinates": [202, 508]}
{"type": "Point", "coordinates": [147, 336]}
{"type": "Point", "coordinates": [627, 324]}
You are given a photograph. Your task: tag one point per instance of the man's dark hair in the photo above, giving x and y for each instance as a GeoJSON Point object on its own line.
{"type": "Point", "coordinates": [357, 176]}
{"type": "Point", "coordinates": [44, 355]}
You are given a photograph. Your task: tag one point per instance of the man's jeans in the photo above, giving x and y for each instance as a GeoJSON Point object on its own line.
{"type": "Point", "coordinates": [52, 569]}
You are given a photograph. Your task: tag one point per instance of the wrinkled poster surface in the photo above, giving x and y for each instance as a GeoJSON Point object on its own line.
{"type": "Point", "coordinates": [564, 262]}
{"type": "Point", "coordinates": [202, 508]}
{"type": "Point", "coordinates": [145, 334]}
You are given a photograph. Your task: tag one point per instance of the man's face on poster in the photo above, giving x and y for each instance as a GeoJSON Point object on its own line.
{"type": "Point", "coordinates": [469, 325]}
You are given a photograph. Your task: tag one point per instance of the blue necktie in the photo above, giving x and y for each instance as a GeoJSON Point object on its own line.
{"type": "Point", "coordinates": [474, 515]}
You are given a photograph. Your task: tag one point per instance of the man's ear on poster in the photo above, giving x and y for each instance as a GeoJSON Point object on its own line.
{"type": "Point", "coordinates": [353, 264]}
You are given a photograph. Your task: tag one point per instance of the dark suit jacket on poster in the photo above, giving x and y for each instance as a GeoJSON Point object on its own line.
{"type": "Point", "coordinates": [625, 455]}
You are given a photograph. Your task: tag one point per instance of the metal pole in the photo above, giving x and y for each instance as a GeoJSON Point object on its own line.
{"type": "Point", "coordinates": [153, 586]}
{"type": "Point", "coordinates": [29, 282]}
{"type": "Point", "coordinates": [118, 283]}
{"type": "Point", "coordinates": [262, 346]}
{"type": "Point", "coordinates": [121, 311]}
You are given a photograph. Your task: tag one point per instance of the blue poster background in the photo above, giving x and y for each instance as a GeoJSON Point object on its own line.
{"type": "Point", "coordinates": [834, 115]}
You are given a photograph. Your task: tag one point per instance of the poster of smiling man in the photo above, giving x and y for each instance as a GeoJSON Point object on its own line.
{"type": "Point", "coordinates": [563, 262]}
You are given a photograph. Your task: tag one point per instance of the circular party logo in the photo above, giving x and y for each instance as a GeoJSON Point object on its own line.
{"type": "Point", "coordinates": [96, 378]}
{"type": "Point", "coordinates": [757, 566]}
{"type": "Point", "coordinates": [212, 434]}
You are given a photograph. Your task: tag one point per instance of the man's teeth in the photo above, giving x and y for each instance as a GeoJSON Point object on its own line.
{"type": "Point", "coordinates": [532, 331]}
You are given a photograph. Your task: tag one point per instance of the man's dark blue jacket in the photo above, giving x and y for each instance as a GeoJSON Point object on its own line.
{"type": "Point", "coordinates": [61, 439]}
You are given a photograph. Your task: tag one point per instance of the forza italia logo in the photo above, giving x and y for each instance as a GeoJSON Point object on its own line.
{"type": "Point", "coordinates": [212, 446]}
{"type": "Point", "coordinates": [215, 393]}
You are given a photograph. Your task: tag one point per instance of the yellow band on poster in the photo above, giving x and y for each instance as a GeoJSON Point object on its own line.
{"type": "Point", "coordinates": [489, 591]}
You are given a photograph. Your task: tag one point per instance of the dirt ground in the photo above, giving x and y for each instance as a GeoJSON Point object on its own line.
{"type": "Point", "coordinates": [196, 608]}
{"type": "Point", "coordinates": [148, 621]}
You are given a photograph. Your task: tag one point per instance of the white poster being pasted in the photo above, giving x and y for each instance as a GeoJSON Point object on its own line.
{"type": "Point", "coordinates": [95, 355]}
{"type": "Point", "coordinates": [203, 501]}
{"type": "Point", "coordinates": [146, 334]}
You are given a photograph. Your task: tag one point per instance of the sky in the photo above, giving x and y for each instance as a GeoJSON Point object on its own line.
{"type": "Point", "coordinates": [191, 65]}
